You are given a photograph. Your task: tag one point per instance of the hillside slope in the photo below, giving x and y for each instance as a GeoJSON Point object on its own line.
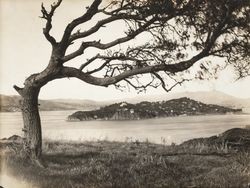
{"type": "Point", "coordinates": [208, 97]}
{"type": "Point", "coordinates": [11, 104]}
{"type": "Point", "coordinates": [145, 110]}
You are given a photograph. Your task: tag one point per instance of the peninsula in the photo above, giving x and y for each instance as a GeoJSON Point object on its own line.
{"type": "Point", "coordinates": [145, 110]}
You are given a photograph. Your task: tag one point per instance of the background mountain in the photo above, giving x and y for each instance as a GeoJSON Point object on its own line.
{"type": "Point", "coordinates": [11, 103]}
{"type": "Point", "coordinates": [208, 97]}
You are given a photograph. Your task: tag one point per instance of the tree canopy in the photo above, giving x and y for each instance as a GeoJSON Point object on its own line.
{"type": "Point", "coordinates": [180, 33]}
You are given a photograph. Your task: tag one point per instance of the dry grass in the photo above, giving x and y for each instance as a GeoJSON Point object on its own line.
{"type": "Point", "coordinates": [133, 164]}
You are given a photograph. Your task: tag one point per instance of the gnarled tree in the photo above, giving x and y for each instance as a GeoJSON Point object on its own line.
{"type": "Point", "coordinates": [177, 35]}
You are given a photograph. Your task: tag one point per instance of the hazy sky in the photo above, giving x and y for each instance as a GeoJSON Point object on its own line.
{"type": "Point", "coordinates": [24, 51]}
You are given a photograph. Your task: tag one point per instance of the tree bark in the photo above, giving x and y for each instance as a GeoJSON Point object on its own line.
{"type": "Point", "coordinates": [32, 123]}
{"type": "Point", "coordinates": [29, 106]}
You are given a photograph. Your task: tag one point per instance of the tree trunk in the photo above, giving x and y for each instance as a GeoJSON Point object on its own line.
{"type": "Point", "coordinates": [32, 123]}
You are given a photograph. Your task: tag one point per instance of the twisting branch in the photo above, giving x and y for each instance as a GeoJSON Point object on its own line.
{"type": "Point", "coordinates": [142, 51]}
{"type": "Point", "coordinates": [47, 15]}
{"type": "Point", "coordinates": [121, 40]}
{"type": "Point", "coordinates": [163, 84]}
{"type": "Point", "coordinates": [99, 68]}
{"type": "Point", "coordinates": [91, 11]}
{"type": "Point", "coordinates": [108, 59]}
{"type": "Point", "coordinates": [89, 62]}
{"type": "Point", "coordinates": [99, 45]}
{"type": "Point", "coordinates": [171, 68]}
{"type": "Point", "coordinates": [142, 87]}
{"type": "Point", "coordinates": [76, 53]}
{"type": "Point", "coordinates": [102, 23]}
{"type": "Point", "coordinates": [122, 7]}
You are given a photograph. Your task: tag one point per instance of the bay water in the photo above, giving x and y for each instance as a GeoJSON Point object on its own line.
{"type": "Point", "coordinates": [159, 130]}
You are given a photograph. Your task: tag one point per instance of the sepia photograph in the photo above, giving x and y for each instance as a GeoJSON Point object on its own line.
{"type": "Point", "coordinates": [124, 93]}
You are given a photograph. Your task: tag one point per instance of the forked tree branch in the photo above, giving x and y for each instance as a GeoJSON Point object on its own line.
{"type": "Point", "coordinates": [171, 68]}
{"type": "Point", "coordinates": [99, 45]}
{"type": "Point", "coordinates": [91, 11]}
{"type": "Point", "coordinates": [109, 58]}
{"type": "Point", "coordinates": [163, 84]}
{"type": "Point", "coordinates": [141, 87]}
{"type": "Point", "coordinates": [47, 15]}
{"type": "Point", "coordinates": [100, 67]}
{"type": "Point", "coordinates": [102, 23]}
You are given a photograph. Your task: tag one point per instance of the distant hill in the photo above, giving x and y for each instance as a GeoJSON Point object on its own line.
{"type": "Point", "coordinates": [11, 104]}
{"type": "Point", "coordinates": [146, 110]}
{"type": "Point", "coordinates": [208, 97]}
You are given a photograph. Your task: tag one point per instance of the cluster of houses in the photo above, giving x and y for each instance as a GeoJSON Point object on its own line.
{"type": "Point", "coordinates": [145, 110]}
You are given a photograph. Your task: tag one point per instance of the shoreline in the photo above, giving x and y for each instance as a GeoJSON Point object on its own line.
{"type": "Point", "coordinates": [218, 114]}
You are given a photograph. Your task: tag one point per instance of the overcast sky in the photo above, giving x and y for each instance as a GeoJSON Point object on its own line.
{"type": "Point", "coordinates": [24, 51]}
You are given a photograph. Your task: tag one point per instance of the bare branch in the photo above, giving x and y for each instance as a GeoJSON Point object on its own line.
{"type": "Point", "coordinates": [100, 24]}
{"type": "Point", "coordinates": [18, 89]}
{"type": "Point", "coordinates": [108, 59]}
{"type": "Point", "coordinates": [76, 53]}
{"type": "Point", "coordinates": [142, 87]}
{"type": "Point", "coordinates": [48, 17]}
{"type": "Point", "coordinates": [99, 68]}
{"type": "Point", "coordinates": [172, 68]}
{"type": "Point", "coordinates": [89, 62]}
{"type": "Point", "coordinates": [99, 45]}
{"type": "Point", "coordinates": [91, 11]}
{"type": "Point", "coordinates": [76, 73]}
{"type": "Point", "coordinates": [130, 36]}
{"type": "Point", "coordinates": [163, 84]}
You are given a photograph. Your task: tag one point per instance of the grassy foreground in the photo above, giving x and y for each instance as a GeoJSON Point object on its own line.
{"type": "Point", "coordinates": [131, 164]}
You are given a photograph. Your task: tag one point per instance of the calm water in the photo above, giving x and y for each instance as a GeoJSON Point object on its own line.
{"type": "Point", "coordinates": [174, 129]}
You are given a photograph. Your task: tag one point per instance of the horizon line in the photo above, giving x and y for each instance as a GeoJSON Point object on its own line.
{"type": "Point", "coordinates": [133, 97]}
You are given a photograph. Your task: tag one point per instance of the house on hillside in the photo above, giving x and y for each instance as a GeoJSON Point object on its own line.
{"type": "Point", "coordinates": [125, 114]}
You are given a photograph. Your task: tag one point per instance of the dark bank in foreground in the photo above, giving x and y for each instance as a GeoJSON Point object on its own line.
{"type": "Point", "coordinates": [218, 161]}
